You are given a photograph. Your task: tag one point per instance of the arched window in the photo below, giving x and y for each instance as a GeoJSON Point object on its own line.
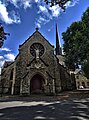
{"type": "Point", "coordinates": [11, 75]}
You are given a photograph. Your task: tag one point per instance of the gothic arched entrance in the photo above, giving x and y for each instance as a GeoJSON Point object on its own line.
{"type": "Point", "coordinates": [37, 84]}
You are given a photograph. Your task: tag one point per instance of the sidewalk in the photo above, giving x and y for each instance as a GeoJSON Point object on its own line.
{"type": "Point", "coordinates": [61, 95]}
{"type": "Point", "coordinates": [68, 105]}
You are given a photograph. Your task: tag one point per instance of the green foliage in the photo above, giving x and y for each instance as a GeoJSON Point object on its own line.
{"type": "Point", "coordinates": [76, 42]}
{"type": "Point", "coordinates": [61, 3]}
{"type": "Point", "coordinates": [2, 35]}
{"type": "Point", "coordinates": [86, 68]}
{"type": "Point", "coordinates": [72, 44]}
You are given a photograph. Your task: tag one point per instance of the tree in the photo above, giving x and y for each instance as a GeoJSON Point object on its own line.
{"type": "Point", "coordinates": [2, 35]}
{"type": "Point", "coordinates": [85, 68]}
{"type": "Point", "coordinates": [61, 3]}
{"type": "Point", "coordinates": [76, 43]}
{"type": "Point", "coordinates": [72, 44]}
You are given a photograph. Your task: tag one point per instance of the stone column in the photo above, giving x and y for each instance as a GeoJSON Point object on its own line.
{"type": "Point", "coordinates": [21, 87]}
{"type": "Point", "coordinates": [13, 82]}
{"type": "Point", "coordinates": [53, 86]}
{"type": "Point", "coordinates": [29, 86]}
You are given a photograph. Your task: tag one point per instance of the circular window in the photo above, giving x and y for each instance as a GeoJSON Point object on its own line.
{"type": "Point", "coordinates": [37, 46]}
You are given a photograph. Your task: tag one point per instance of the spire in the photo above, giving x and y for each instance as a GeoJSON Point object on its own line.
{"type": "Point", "coordinates": [58, 48]}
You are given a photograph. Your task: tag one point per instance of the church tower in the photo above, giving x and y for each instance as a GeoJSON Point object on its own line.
{"type": "Point", "coordinates": [58, 47]}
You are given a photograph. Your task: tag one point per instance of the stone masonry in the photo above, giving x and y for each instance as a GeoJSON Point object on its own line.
{"type": "Point", "coordinates": [36, 70]}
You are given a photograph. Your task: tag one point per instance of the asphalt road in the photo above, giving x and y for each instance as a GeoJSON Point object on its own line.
{"type": "Point", "coordinates": [62, 107]}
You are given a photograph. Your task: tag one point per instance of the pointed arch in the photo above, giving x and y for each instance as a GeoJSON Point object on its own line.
{"type": "Point", "coordinates": [37, 84]}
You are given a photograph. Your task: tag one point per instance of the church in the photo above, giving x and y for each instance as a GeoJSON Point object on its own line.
{"type": "Point", "coordinates": [37, 69]}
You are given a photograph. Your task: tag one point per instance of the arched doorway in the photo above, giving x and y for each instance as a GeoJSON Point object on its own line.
{"type": "Point", "coordinates": [37, 84]}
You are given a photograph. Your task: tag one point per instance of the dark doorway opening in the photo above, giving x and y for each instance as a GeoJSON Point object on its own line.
{"type": "Point", "coordinates": [37, 84]}
{"type": "Point", "coordinates": [83, 84]}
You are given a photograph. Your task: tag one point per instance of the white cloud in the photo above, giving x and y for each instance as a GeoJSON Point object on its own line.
{"type": "Point", "coordinates": [15, 16]}
{"type": "Point", "coordinates": [5, 49]}
{"type": "Point", "coordinates": [44, 15]}
{"type": "Point", "coordinates": [71, 4]}
{"type": "Point", "coordinates": [4, 15]}
{"type": "Point", "coordinates": [1, 58]}
{"type": "Point", "coordinates": [36, 1]}
{"type": "Point", "coordinates": [26, 4]}
{"type": "Point", "coordinates": [6, 57]}
{"type": "Point", "coordinates": [42, 9]}
{"type": "Point", "coordinates": [1, 63]}
{"type": "Point", "coordinates": [14, 2]}
{"type": "Point", "coordinates": [47, 13]}
{"type": "Point", "coordinates": [0, 70]}
{"type": "Point", "coordinates": [9, 57]}
{"type": "Point", "coordinates": [50, 28]}
{"type": "Point", "coordinates": [55, 10]}
{"type": "Point", "coordinates": [37, 24]}
{"type": "Point", "coordinates": [41, 19]}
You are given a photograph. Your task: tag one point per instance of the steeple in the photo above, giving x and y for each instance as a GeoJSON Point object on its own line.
{"type": "Point", "coordinates": [58, 48]}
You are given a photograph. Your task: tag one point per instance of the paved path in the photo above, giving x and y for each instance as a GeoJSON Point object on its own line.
{"type": "Point", "coordinates": [63, 107]}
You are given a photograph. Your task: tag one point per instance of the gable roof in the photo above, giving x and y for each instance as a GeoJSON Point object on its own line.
{"type": "Point", "coordinates": [7, 63]}
{"type": "Point", "coordinates": [37, 32]}
{"type": "Point", "coordinates": [78, 71]}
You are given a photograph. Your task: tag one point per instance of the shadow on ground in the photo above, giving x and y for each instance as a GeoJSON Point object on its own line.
{"type": "Point", "coordinates": [45, 108]}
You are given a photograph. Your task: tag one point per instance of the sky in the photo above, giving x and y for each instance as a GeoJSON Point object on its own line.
{"type": "Point", "coordinates": [21, 17]}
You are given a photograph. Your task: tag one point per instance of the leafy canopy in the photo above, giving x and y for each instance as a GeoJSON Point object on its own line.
{"type": "Point", "coordinates": [76, 43]}
{"type": "Point", "coordinates": [2, 35]}
{"type": "Point", "coordinates": [61, 3]}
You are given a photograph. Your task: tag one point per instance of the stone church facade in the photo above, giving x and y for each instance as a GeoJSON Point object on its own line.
{"type": "Point", "coordinates": [36, 69]}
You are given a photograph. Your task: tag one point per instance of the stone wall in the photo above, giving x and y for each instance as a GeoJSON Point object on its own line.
{"type": "Point", "coordinates": [48, 60]}
{"type": "Point", "coordinates": [6, 83]}
{"type": "Point", "coordinates": [26, 67]}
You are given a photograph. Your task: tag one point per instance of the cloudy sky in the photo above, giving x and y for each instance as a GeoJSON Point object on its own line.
{"type": "Point", "coordinates": [21, 17]}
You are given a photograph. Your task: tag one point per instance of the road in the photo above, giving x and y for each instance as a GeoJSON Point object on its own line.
{"type": "Point", "coordinates": [62, 107]}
